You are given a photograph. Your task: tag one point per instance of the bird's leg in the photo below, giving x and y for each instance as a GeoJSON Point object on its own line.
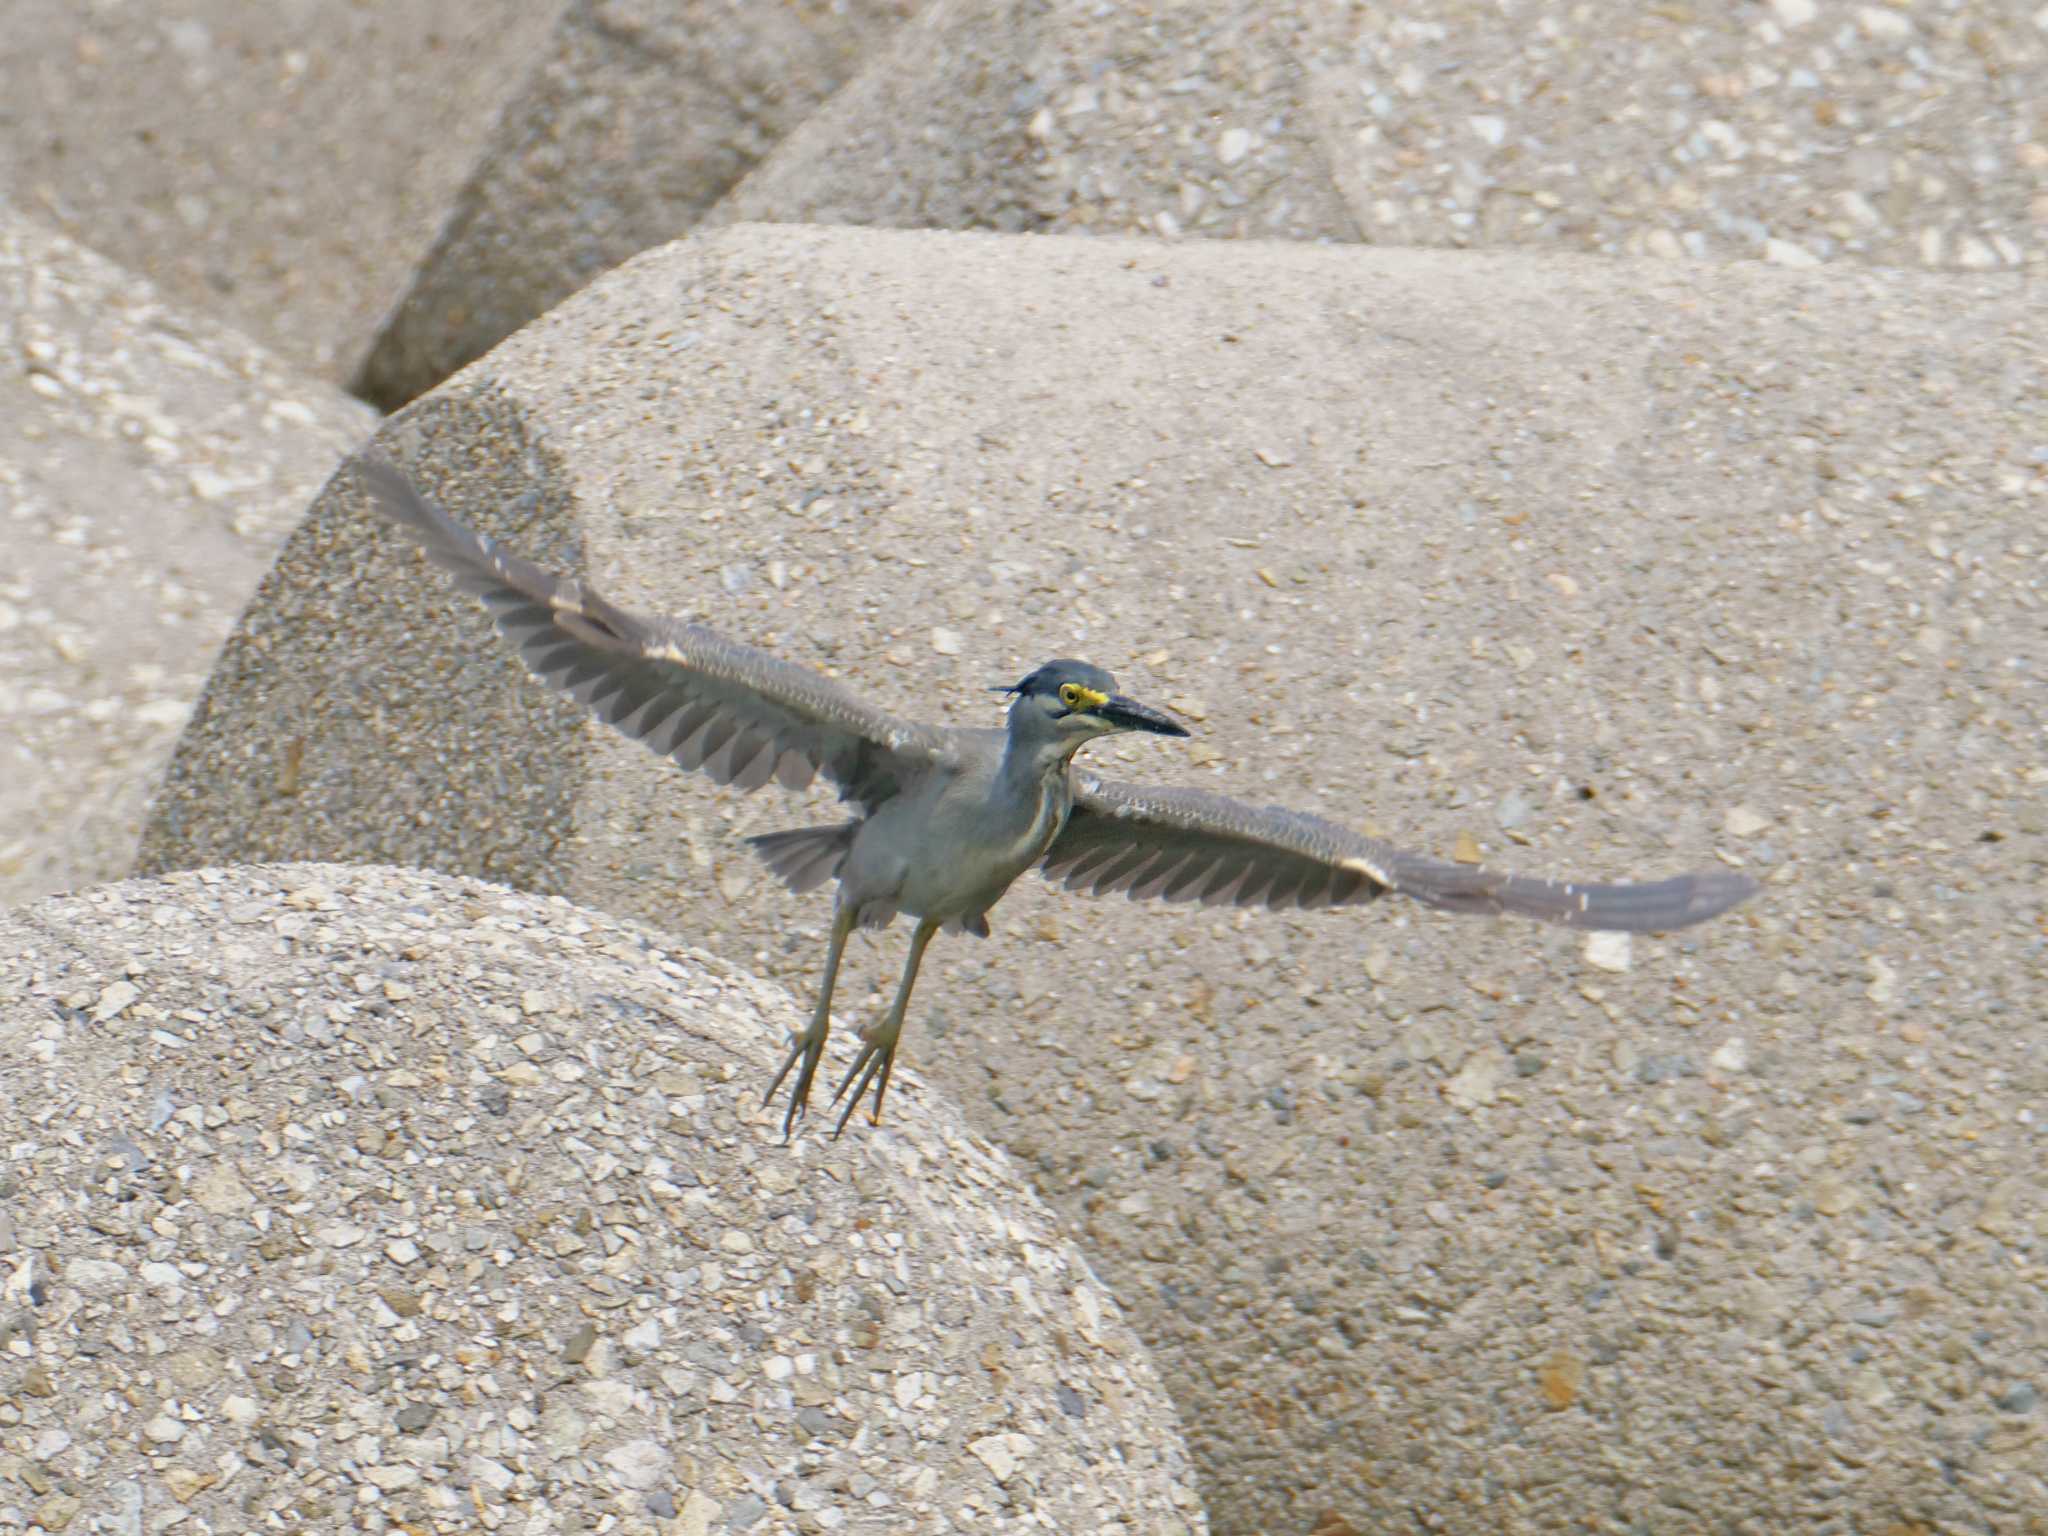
{"type": "Point", "coordinates": [809, 1047]}
{"type": "Point", "coordinates": [878, 1040]}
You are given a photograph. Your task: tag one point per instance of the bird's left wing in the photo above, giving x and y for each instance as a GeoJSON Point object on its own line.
{"type": "Point", "coordinates": [686, 692]}
{"type": "Point", "coordinates": [1189, 845]}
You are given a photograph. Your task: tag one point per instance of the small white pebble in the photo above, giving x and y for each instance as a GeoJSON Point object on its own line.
{"type": "Point", "coordinates": [1789, 253]}
{"type": "Point", "coordinates": [1608, 951]}
{"type": "Point", "coordinates": [1742, 821]}
{"type": "Point", "coordinates": [994, 1453]}
{"type": "Point", "coordinates": [113, 999]}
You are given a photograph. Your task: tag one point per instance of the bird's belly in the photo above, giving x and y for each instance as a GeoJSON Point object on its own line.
{"type": "Point", "coordinates": [950, 884]}
{"type": "Point", "coordinates": [960, 862]}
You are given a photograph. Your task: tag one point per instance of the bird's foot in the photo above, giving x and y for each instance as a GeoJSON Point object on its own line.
{"type": "Point", "coordinates": [877, 1057]}
{"type": "Point", "coordinates": [809, 1048]}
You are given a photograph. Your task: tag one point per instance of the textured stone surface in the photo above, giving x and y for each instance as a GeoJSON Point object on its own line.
{"type": "Point", "coordinates": [640, 114]}
{"type": "Point", "coordinates": [1606, 568]}
{"type": "Point", "coordinates": [343, 1199]}
{"type": "Point", "coordinates": [1067, 115]}
{"type": "Point", "coordinates": [281, 165]}
{"type": "Point", "coordinates": [1907, 133]}
{"type": "Point", "coordinates": [150, 465]}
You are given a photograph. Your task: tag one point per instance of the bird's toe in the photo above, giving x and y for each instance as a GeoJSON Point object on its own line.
{"type": "Point", "coordinates": [807, 1048]}
{"type": "Point", "coordinates": [876, 1061]}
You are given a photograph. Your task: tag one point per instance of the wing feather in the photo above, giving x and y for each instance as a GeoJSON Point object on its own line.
{"type": "Point", "coordinates": [1189, 844]}
{"type": "Point", "coordinates": [687, 692]}
{"type": "Point", "coordinates": [1154, 885]}
{"type": "Point", "coordinates": [1225, 886]}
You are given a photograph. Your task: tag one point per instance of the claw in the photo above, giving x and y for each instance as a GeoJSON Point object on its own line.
{"type": "Point", "coordinates": [874, 1064]}
{"type": "Point", "coordinates": [809, 1048]}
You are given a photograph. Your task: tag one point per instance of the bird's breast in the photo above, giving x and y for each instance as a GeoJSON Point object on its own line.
{"type": "Point", "coordinates": [1055, 801]}
{"type": "Point", "coordinates": [1026, 838]}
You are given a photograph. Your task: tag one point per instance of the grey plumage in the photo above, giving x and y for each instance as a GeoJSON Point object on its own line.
{"type": "Point", "coordinates": [1191, 845]}
{"type": "Point", "coordinates": [688, 693]}
{"type": "Point", "coordinates": [948, 819]}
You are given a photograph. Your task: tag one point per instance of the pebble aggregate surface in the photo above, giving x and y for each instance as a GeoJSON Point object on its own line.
{"type": "Point", "coordinates": [374, 1200]}
{"type": "Point", "coordinates": [1908, 133]}
{"type": "Point", "coordinates": [1799, 132]}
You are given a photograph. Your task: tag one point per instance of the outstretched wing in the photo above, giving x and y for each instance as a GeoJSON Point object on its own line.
{"type": "Point", "coordinates": [1190, 845]}
{"type": "Point", "coordinates": [688, 693]}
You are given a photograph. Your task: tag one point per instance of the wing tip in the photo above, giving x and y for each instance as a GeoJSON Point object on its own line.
{"type": "Point", "coordinates": [1662, 906]}
{"type": "Point", "coordinates": [1713, 892]}
{"type": "Point", "coordinates": [393, 496]}
{"type": "Point", "coordinates": [390, 490]}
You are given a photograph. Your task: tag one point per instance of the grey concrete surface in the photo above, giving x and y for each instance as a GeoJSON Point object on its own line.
{"type": "Point", "coordinates": [151, 463]}
{"type": "Point", "coordinates": [1908, 133]}
{"type": "Point", "coordinates": [280, 165]}
{"type": "Point", "coordinates": [1070, 116]}
{"type": "Point", "coordinates": [1606, 568]}
{"type": "Point", "coordinates": [1798, 131]}
{"type": "Point", "coordinates": [346, 1199]}
{"type": "Point", "coordinates": [638, 116]}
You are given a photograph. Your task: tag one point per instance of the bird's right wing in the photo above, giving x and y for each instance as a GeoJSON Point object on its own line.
{"type": "Point", "coordinates": [686, 692]}
{"type": "Point", "coordinates": [1189, 845]}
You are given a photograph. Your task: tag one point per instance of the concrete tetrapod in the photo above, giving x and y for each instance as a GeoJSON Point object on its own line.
{"type": "Point", "coordinates": [344, 1193]}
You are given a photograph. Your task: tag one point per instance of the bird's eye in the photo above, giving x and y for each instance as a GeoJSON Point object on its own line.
{"type": "Point", "coordinates": [1070, 695]}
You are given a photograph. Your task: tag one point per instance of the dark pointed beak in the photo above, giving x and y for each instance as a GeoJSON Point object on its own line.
{"type": "Point", "coordinates": [1130, 715]}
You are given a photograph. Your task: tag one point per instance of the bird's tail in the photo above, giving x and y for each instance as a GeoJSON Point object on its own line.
{"type": "Point", "coordinates": [806, 858]}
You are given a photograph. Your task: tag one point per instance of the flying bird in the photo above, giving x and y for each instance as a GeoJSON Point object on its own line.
{"type": "Point", "coordinates": [942, 821]}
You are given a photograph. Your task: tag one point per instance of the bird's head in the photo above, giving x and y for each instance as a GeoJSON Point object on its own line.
{"type": "Point", "coordinates": [1070, 702]}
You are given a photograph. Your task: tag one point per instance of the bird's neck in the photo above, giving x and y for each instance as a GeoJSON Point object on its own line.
{"type": "Point", "coordinates": [1030, 763]}
{"type": "Point", "coordinates": [1034, 795]}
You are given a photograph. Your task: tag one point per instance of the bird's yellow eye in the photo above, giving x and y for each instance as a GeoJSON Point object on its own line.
{"type": "Point", "coordinates": [1070, 695]}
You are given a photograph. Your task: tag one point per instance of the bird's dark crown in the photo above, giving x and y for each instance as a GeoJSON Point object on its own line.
{"type": "Point", "coordinates": [1054, 674]}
